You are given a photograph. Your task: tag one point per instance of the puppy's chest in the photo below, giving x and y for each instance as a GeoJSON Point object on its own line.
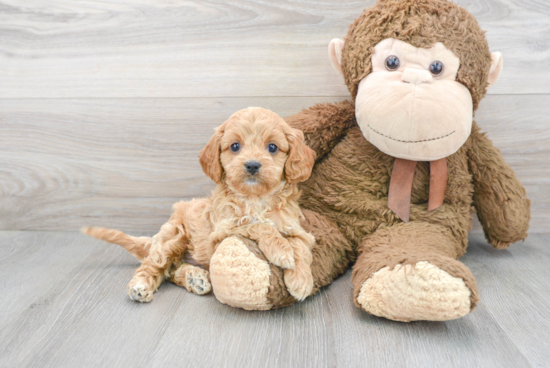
{"type": "Point", "coordinates": [258, 212]}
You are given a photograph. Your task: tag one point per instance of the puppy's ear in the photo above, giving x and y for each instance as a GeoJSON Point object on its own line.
{"type": "Point", "coordinates": [300, 159]}
{"type": "Point", "coordinates": [209, 157]}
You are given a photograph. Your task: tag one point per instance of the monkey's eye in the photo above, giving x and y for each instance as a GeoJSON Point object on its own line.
{"type": "Point", "coordinates": [272, 148]}
{"type": "Point", "coordinates": [235, 147]}
{"type": "Point", "coordinates": [392, 63]}
{"type": "Point", "coordinates": [436, 68]}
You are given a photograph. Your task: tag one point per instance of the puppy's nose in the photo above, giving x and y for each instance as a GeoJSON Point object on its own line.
{"type": "Point", "coordinates": [252, 166]}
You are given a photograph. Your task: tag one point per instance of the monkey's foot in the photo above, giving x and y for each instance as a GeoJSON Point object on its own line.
{"type": "Point", "coordinates": [415, 292]}
{"type": "Point", "coordinates": [239, 278]}
{"type": "Point", "coordinates": [242, 277]}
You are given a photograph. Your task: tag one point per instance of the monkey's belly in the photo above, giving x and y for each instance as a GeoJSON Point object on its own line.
{"type": "Point", "coordinates": [350, 186]}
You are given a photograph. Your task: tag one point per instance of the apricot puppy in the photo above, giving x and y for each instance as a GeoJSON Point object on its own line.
{"type": "Point", "coordinates": [256, 160]}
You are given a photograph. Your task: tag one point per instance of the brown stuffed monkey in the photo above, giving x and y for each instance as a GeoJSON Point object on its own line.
{"type": "Point", "coordinates": [398, 170]}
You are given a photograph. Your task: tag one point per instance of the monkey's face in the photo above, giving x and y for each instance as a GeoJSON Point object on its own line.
{"type": "Point", "coordinates": [417, 71]}
{"type": "Point", "coordinates": [410, 106]}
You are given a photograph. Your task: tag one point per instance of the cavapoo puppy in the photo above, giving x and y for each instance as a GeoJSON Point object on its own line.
{"type": "Point", "coordinates": [256, 160]}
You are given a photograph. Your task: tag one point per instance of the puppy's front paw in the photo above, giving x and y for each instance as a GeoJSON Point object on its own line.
{"type": "Point", "coordinates": [299, 282]}
{"type": "Point", "coordinates": [139, 291]}
{"type": "Point", "coordinates": [283, 258]}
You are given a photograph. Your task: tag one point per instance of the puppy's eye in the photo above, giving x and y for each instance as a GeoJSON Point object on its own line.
{"type": "Point", "coordinates": [392, 63]}
{"type": "Point", "coordinates": [272, 148]}
{"type": "Point", "coordinates": [235, 147]}
{"type": "Point", "coordinates": [436, 68]}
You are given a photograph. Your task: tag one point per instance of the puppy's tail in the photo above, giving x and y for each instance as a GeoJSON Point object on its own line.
{"type": "Point", "coordinates": [136, 246]}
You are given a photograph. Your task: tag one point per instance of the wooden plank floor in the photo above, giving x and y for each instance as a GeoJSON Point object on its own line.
{"type": "Point", "coordinates": [63, 304]}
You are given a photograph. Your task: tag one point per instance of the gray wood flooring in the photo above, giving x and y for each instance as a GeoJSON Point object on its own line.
{"type": "Point", "coordinates": [63, 303]}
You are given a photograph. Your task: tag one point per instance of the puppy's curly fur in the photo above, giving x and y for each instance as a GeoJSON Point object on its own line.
{"type": "Point", "coordinates": [260, 203]}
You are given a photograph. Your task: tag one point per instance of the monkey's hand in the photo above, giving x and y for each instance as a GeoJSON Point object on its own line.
{"type": "Point", "coordinates": [499, 198]}
{"type": "Point", "coordinates": [324, 124]}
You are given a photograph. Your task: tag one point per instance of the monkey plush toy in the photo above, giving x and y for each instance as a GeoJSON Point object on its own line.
{"type": "Point", "coordinates": [398, 170]}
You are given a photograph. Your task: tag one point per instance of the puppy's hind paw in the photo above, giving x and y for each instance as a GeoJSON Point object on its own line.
{"type": "Point", "coordinates": [195, 279]}
{"type": "Point", "coordinates": [139, 291]}
{"type": "Point", "coordinates": [198, 281]}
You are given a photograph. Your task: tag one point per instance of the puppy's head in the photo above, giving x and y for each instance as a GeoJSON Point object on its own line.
{"type": "Point", "coordinates": [254, 150]}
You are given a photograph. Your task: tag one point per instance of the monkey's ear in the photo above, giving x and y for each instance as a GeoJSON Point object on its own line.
{"type": "Point", "coordinates": [496, 67]}
{"type": "Point", "coordinates": [335, 54]}
{"type": "Point", "coordinates": [209, 157]}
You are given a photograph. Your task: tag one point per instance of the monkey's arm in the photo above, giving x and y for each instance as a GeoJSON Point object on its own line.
{"type": "Point", "coordinates": [324, 124]}
{"type": "Point", "coordinates": [499, 198]}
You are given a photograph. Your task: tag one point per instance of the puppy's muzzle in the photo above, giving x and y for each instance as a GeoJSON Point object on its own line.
{"type": "Point", "coordinates": [252, 167]}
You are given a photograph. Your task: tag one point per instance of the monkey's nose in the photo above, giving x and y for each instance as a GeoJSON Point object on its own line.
{"type": "Point", "coordinates": [416, 76]}
{"type": "Point", "coordinates": [252, 166]}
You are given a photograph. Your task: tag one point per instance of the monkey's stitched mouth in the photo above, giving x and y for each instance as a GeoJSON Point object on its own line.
{"type": "Point", "coordinates": [402, 141]}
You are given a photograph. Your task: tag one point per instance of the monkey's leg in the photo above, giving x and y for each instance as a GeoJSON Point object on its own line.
{"type": "Point", "coordinates": [168, 245]}
{"type": "Point", "coordinates": [242, 277]}
{"type": "Point", "coordinates": [194, 279]}
{"type": "Point", "coordinates": [409, 272]}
